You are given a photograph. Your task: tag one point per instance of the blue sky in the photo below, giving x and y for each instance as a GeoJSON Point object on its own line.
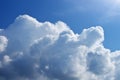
{"type": "Point", "coordinates": [78, 14]}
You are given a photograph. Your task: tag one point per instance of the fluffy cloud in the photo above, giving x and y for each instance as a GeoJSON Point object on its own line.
{"type": "Point", "coordinates": [3, 43]}
{"type": "Point", "coordinates": [32, 50]}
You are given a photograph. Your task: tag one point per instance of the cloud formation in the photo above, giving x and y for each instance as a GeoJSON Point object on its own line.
{"type": "Point", "coordinates": [33, 50]}
{"type": "Point", "coordinates": [3, 43]}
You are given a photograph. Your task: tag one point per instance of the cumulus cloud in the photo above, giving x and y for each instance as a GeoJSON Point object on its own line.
{"type": "Point", "coordinates": [3, 43]}
{"type": "Point", "coordinates": [33, 50]}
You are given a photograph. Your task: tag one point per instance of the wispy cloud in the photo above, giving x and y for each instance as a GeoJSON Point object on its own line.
{"type": "Point", "coordinates": [103, 9]}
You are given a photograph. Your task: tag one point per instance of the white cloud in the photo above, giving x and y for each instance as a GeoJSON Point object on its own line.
{"type": "Point", "coordinates": [3, 43]}
{"type": "Point", "coordinates": [46, 51]}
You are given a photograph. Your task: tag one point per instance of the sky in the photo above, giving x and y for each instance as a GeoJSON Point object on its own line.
{"type": "Point", "coordinates": [59, 40]}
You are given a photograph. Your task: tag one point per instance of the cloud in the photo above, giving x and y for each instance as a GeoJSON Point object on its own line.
{"type": "Point", "coordinates": [106, 10]}
{"type": "Point", "coordinates": [33, 50]}
{"type": "Point", "coordinates": [3, 43]}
